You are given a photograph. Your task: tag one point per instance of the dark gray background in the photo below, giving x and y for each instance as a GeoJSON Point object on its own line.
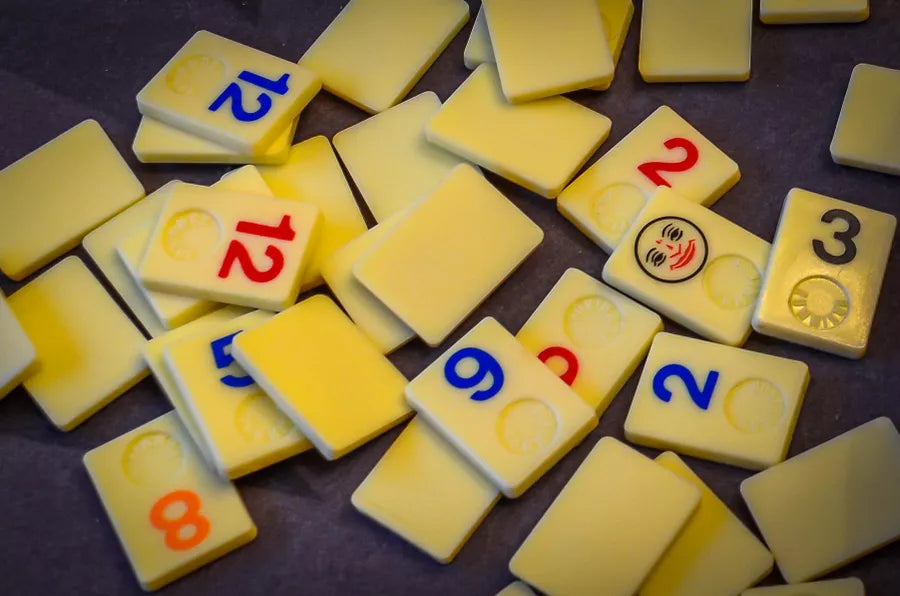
{"type": "Point", "coordinates": [62, 61]}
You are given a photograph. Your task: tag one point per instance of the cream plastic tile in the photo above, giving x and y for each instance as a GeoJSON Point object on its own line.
{"type": "Point", "coordinates": [784, 12]}
{"type": "Point", "coordinates": [516, 589]}
{"type": "Point", "coordinates": [848, 586]}
{"type": "Point", "coordinates": [478, 48]}
{"type": "Point", "coordinates": [18, 358]}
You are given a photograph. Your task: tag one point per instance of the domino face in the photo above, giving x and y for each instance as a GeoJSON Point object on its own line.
{"type": "Point", "coordinates": [692, 265]}
{"type": "Point", "coordinates": [714, 554]}
{"type": "Point", "coordinates": [613, 546]}
{"type": "Point", "coordinates": [832, 504]}
{"type": "Point", "coordinates": [539, 145]}
{"type": "Point", "coordinates": [825, 274]}
{"type": "Point", "coordinates": [662, 151]}
{"type": "Point", "coordinates": [230, 247]}
{"type": "Point", "coordinates": [425, 491]}
{"type": "Point", "coordinates": [785, 12]}
{"type": "Point", "coordinates": [591, 335]}
{"type": "Point", "coordinates": [228, 93]}
{"type": "Point", "coordinates": [423, 269]}
{"type": "Point", "coordinates": [37, 222]}
{"type": "Point", "coordinates": [18, 358]}
{"type": "Point", "coordinates": [507, 413]}
{"type": "Point", "coordinates": [717, 402]}
{"type": "Point", "coordinates": [172, 514]}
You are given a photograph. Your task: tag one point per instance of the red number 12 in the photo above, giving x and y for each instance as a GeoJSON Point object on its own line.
{"type": "Point", "coordinates": [237, 252]}
{"type": "Point", "coordinates": [651, 169]}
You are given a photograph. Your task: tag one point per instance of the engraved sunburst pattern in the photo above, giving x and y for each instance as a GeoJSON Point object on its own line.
{"type": "Point", "coordinates": [819, 303]}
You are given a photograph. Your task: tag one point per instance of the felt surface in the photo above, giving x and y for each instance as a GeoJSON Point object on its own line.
{"type": "Point", "coordinates": [62, 62]}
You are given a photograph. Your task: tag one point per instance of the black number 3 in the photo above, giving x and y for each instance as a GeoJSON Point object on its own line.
{"type": "Point", "coordinates": [846, 238]}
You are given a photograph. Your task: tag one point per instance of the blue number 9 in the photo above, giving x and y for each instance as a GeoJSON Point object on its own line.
{"type": "Point", "coordinates": [487, 365]}
{"type": "Point", "coordinates": [224, 359]}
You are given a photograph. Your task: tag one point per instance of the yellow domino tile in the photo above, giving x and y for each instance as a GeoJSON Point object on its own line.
{"type": "Point", "coordinates": [313, 175]}
{"type": "Point", "coordinates": [848, 586]}
{"type": "Point", "coordinates": [478, 48]}
{"type": "Point", "coordinates": [171, 513]}
{"type": "Point", "coordinates": [539, 145]}
{"type": "Point", "coordinates": [784, 12]}
{"type": "Point", "coordinates": [156, 142]}
{"type": "Point", "coordinates": [617, 515]}
{"type": "Point", "coordinates": [695, 40]}
{"type": "Point", "coordinates": [691, 265]}
{"type": "Point", "coordinates": [228, 93]}
{"type": "Point", "coordinates": [389, 158]}
{"type": "Point", "coordinates": [58, 193]}
{"type": "Point", "coordinates": [516, 589]}
{"type": "Point", "coordinates": [18, 358]}
{"type": "Point", "coordinates": [824, 277]}
{"type": "Point", "coordinates": [591, 335]}
{"type": "Point", "coordinates": [865, 136]}
{"type": "Point", "coordinates": [426, 492]}
{"type": "Point", "coordinates": [239, 424]}
{"type": "Point", "coordinates": [663, 150]}
{"type": "Point", "coordinates": [374, 319]}
{"type": "Point", "coordinates": [88, 351]}
{"type": "Point", "coordinates": [447, 254]}
{"type": "Point", "coordinates": [714, 554]}
{"type": "Point", "coordinates": [548, 48]}
{"type": "Point", "coordinates": [375, 51]}
{"type": "Point", "coordinates": [507, 413]}
{"type": "Point", "coordinates": [245, 179]}
{"type": "Point", "coordinates": [832, 504]}
{"type": "Point", "coordinates": [717, 402]}
{"type": "Point", "coordinates": [153, 356]}
{"type": "Point", "coordinates": [325, 374]}
{"type": "Point", "coordinates": [230, 247]}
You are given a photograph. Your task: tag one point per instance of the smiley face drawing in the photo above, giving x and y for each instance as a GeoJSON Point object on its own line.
{"type": "Point", "coordinates": [671, 249]}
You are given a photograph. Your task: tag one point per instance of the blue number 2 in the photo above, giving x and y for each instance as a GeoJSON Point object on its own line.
{"type": "Point", "coordinates": [224, 359]}
{"type": "Point", "coordinates": [487, 365]}
{"type": "Point", "coordinates": [234, 93]}
{"type": "Point", "coordinates": [700, 396]}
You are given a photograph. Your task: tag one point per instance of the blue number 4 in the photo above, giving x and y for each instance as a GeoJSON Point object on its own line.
{"type": "Point", "coordinates": [234, 93]}
{"type": "Point", "coordinates": [224, 359]}
{"type": "Point", "coordinates": [699, 395]}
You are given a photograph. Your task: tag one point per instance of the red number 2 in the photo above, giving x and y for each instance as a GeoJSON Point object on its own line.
{"type": "Point", "coordinates": [567, 377]}
{"type": "Point", "coordinates": [237, 252]}
{"type": "Point", "coordinates": [651, 169]}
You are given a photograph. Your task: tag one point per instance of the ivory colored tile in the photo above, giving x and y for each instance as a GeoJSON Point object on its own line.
{"type": "Point", "coordinates": [832, 504]}
{"type": "Point", "coordinates": [514, 428]}
{"type": "Point", "coordinates": [691, 265]}
{"type": "Point", "coordinates": [539, 145]}
{"type": "Point", "coordinates": [591, 335]}
{"type": "Point", "coordinates": [156, 142]}
{"type": "Point", "coordinates": [389, 158]}
{"type": "Point", "coordinates": [375, 51]}
{"type": "Point", "coordinates": [325, 374]}
{"type": "Point", "coordinates": [312, 175]}
{"type": "Point", "coordinates": [423, 490]}
{"type": "Point", "coordinates": [516, 589]}
{"type": "Point", "coordinates": [89, 352]}
{"type": "Point", "coordinates": [663, 150]}
{"type": "Point", "coordinates": [172, 515]}
{"type": "Point", "coordinates": [695, 40]}
{"type": "Point", "coordinates": [228, 93]}
{"type": "Point", "coordinates": [783, 12]}
{"type": "Point", "coordinates": [717, 402]}
{"type": "Point", "coordinates": [866, 134]}
{"type": "Point", "coordinates": [368, 312]}
{"type": "Point", "coordinates": [18, 358]}
{"type": "Point", "coordinates": [58, 193]}
{"type": "Point", "coordinates": [545, 48]}
{"type": "Point", "coordinates": [825, 272]}
{"type": "Point", "coordinates": [848, 586]}
{"type": "Point", "coordinates": [478, 48]}
{"type": "Point", "coordinates": [612, 547]}
{"type": "Point", "coordinates": [447, 254]}
{"type": "Point", "coordinates": [230, 247]}
{"type": "Point", "coordinates": [241, 427]}
{"type": "Point", "coordinates": [714, 554]}
{"type": "Point", "coordinates": [244, 179]}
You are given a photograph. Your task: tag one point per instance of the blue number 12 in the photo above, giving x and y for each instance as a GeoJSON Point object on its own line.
{"type": "Point", "coordinates": [224, 359]}
{"type": "Point", "coordinates": [234, 93]}
{"type": "Point", "coordinates": [699, 395]}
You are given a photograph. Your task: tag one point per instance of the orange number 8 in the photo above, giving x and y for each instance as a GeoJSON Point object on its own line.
{"type": "Point", "coordinates": [190, 517]}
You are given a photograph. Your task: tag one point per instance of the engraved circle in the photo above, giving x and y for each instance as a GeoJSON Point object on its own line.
{"type": "Point", "coordinates": [526, 426]}
{"type": "Point", "coordinates": [592, 321]}
{"type": "Point", "coordinates": [152, 458]}
{"type": "Point", "coordinates": [819, 303]}
{"type": "Point", "coordinates": [731, 282]}
{"type": "Point", "coordinates": [754, 405]}
{"type": "Point", "coordinates": [191, 234]}
{"type": "Point", "coordinates": [259, 421]}
{"type": "Point", "coordinates": [614, 207]}
{"type": "Point", "coordinates": [671, 249]}
{"type": "Point", "coordinates": [195, 74]}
